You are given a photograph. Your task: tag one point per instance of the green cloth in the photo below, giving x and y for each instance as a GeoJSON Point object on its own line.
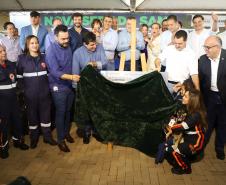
{"type": "Point", "coordinates": [128, 114]}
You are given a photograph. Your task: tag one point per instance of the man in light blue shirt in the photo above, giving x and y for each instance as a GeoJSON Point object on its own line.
{"type": "Point", "coordinates": [124, 44]}
{"type": "Point", "coordinates": [11, 43]}
{"type": "Point", "coordinates": [93, 54]}
{"type": "Point", "coordinates": [50, 37]}
{"type": "Point", "coordinates": [90, 53]}
{"type": "Point", "coordinates": [109, 40]}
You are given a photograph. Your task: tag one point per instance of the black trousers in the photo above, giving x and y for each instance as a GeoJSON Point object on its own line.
{"type": "Point", "coordinates": [216, 115]}
{"type": "Point", "coordinates": [10, 116]}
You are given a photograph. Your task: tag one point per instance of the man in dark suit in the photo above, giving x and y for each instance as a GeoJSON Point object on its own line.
{"type": "Point", "coordinates": [212, 76]}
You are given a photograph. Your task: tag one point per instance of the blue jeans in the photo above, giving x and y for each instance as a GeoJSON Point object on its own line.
{"type": "Point", "coordinates": [63, 102]}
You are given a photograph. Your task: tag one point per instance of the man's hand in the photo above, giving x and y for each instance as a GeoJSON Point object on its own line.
{"type": "Point", "coordinates": [177, 87]}
{"type": "Point", "coordinates": [214, 17]}
{"type": "Point", "coordinates": [93, 64]}
{"type": "Point", "coordinates": [75, 78]}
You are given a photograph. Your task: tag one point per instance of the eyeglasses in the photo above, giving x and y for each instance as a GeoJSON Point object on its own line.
{"type": "Point", "coordinates": [209, 47]}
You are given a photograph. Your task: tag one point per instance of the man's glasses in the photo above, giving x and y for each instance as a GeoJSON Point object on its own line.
{"type": "Point", "coordinates": [209, 47]}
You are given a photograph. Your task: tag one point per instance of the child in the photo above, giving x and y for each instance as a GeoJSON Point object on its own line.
{"type": "Point", "coordinates": [193, 137]}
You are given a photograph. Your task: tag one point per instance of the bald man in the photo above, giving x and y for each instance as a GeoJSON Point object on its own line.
{"type": "Point", "coordinates": [212, 76]}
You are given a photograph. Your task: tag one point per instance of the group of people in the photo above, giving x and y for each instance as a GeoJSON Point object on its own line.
{"type": "Point", "coordinates": [46, 66]}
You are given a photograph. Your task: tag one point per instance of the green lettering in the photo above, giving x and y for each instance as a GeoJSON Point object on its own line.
{"type": "Point", "coordinates": [160, 19]}
{"type": "Point", "coordinates": [86, 21]}
{"type": "Point", "coordinates": [66, 20]}
{"type": "Point", "coordinates": [143, 20]}
{"type": "Point", "coordinates": [121, 20]}
{"type": "Point", "coordinates": [48, 20]}
{"type": "Point", "coordinates": [151, 20]}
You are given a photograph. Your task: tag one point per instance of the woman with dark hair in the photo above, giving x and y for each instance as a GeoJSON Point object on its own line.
{"type": "Point", "coordinates": [33, 75]}
{"type": "Point", "coordinates": [192, 128]}
{"type": "Point", "coordinates": [9, 108]}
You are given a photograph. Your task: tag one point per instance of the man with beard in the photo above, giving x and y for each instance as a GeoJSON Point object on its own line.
{"type": "Point", "coordinates": [77, 32]}
{"type": "Point", "coordinates": [59, 63]}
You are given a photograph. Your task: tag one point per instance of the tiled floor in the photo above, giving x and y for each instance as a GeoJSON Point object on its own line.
{"type": "Point", "coordinates": [94, 164]}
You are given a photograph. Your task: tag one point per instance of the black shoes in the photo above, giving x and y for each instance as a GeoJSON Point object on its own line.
{"type": "Point", "coordinates": [97, 137]}
{"type": "Point", "coordinates": [180, 171]}
{"type": "Point", "coordinates": [80, 132]}
{"type": "Point", "coordinates": [86, 139]}
{"type": "Point", "coordinates": [63, 147]}
{"type": "Point", "coordinates": [33, 143]}
{"type": "Point", "coordinates": [50, 141]}
{"type": "Point", "coordinates": [4, 152]}
{"type": "Point", "coordinates": [220, 155]}
{"type": "Point", "coordinates": [69, 139]}
{"type": "Point", "coordinates": [20, 144]}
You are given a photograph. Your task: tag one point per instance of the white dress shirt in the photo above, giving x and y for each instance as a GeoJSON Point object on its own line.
{"type": "Point", "coordinates": [196, 41]}
{"type": "Point", "coordinates": [214, 70]}
{"type": "Point", "coordinates": [223, 38]}
{"type": "Point", "coordinates": [180, 65]}
{"type": "Point", "coordinates": [35, 30]}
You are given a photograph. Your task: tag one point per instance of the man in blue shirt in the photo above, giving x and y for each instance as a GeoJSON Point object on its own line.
{"type": "Point", "coordinates": [77, 32]}
{"type": "Point", "coordinates": [93, 54]}
{"type": "Point", "coordinates": [124, 44]}
{"type": "Point", "coordinates": [59, 63]}
{"type": "Point", "coordinates": [50, 37]}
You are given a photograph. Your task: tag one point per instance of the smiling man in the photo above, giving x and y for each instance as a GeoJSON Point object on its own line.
{"type": "Point", "coordinates": [197, 37]}
{"type": "Point", "coordinates": [212, 75]}
{"type": "Point", "coordinates": [180, 61]}
{"type": "Point", "coordinates": [77, 32]}
{"type": "Point", "coordinates": [92, 54]}
{"type": "Point", "coordinates": [109, 40]}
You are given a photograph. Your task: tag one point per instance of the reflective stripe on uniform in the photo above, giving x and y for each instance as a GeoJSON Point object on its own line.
{"type": "Point", "coordinates": [19, 76]}
{"type": "Point", "coordinates": [15, 138]}
{"type": "Point", "coordinates": [2, 146]}
{"type": "Point", "coordinates": [4, 87]}
{"type": "Point", "coordinates": [191, 132]}
{"type": "Point", "coordinates": [45, 125]}
{"type": "Point", "coordinates": [33, 127]}
{"type": "Point", "coordinates": [41, 73]}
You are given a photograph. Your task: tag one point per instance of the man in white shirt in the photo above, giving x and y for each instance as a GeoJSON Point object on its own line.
{"type": "Point", "coordinates": [223, 36]}
{"type": "Point", "coordinates": [109, 40]}
{"type": "Point", "coordinates": [181, 62]}
{"type": "Point", "coordinates": [168, 35]}
{"type": "Point", "coordinates": [197, 37]}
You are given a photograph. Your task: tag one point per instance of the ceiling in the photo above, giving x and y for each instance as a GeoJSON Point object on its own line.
{"type": "Point", "coordinates": [124, 5]}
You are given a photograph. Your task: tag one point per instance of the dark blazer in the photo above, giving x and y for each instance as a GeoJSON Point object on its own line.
{"type": "Point", "coordinates": [76, 39]}
{"type": "Point", "coordinates": [205, 76]}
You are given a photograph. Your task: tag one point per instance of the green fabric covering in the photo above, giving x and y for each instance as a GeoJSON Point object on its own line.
{"type": "Point", "coordinates": [128, 114]}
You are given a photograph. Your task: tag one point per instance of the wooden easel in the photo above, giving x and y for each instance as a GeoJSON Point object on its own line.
{"type": "Point", "coordinates": [133, 52]}
{"type": "Point", "coordinates": [133, 61]}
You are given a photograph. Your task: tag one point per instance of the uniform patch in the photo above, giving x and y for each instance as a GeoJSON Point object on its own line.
{"type": "Point", "coordinates": [43, 65]}
{"type": "Point", "coordinates": [12, 77]}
